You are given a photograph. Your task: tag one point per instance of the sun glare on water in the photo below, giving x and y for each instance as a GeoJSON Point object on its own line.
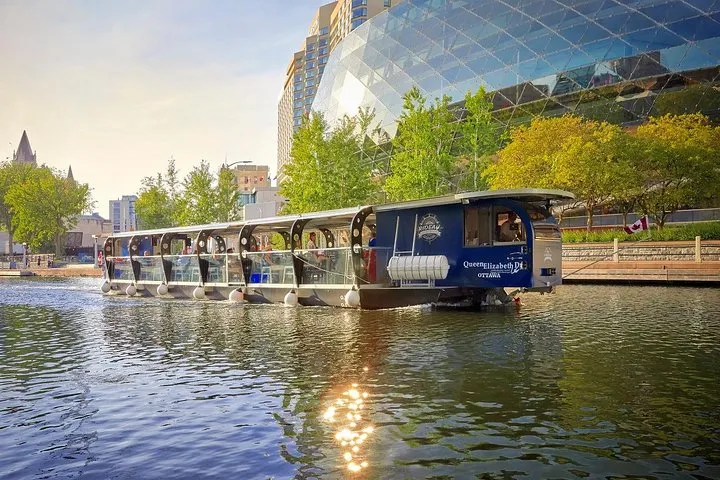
{"type": "Point", "coordinates": [352, 428]}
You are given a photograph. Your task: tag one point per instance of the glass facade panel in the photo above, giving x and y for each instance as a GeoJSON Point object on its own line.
{"type": "Point", "coordinates": [540, 56]}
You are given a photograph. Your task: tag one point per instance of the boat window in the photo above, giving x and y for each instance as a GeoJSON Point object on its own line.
{"type": "Point", "coordinates": [477, 226]}
{"type": "Point", "coordinates": [508, 226]}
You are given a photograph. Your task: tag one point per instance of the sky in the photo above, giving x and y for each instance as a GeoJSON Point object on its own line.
{"type": "Point", "coordinates": [116, 88]}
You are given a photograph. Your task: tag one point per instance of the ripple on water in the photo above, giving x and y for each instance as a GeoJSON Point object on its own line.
{"type": "Point", "coordinates": [592, 381]}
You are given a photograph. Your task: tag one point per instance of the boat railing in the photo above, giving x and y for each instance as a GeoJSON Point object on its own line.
{"type": "Point", "coordinates": [271, 266]}
{"type": "Point", "coordinates": [184, 268]}
{"type": "Point", "coordinates": [217, 267]}
{"type": "Point", "coordinates": [122, 269]}
{"type": "Point", "coordinates": [327, 266]}
{"type": "Point", "coordinates": [150, 268]}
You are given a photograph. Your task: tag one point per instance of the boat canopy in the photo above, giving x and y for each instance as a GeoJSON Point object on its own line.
{"type": "Point", "coordinates": [343, 216]}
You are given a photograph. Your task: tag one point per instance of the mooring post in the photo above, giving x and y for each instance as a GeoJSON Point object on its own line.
{"type": "Point", "coordinates": [616, 248]}
{"type": "Point", "coordinates": [698, 256]}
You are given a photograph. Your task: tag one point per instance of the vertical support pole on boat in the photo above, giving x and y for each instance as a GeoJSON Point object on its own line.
{"type": "Point", "coordinates": [220, 247]}
{"type": "Point", "coordinates": [356, 227]}
{"type": "Point", "coordinates": [133, 247]}
{"type": "Point", "coordinates": [165, 250]}
{"type": "Point", "coordinates": [397, 228]}
{"type": "Point", "coordinates": [201, 243]}
{"type": "Point", "coordinates": [329, 237]}
{"type": "Point", "coordinates": [245, 242]}
{"type": "Point", "coordinates": [296, 232]}
{"type": "Point", "coordinates": [288, 241]}
{"type": "Point", "coordinates": [108, 255]}
{"type": "Point", "coordinates": [412, 252]}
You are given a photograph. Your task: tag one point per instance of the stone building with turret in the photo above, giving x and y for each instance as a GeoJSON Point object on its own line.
{"type": "Point", "coordinates": [24, 154]}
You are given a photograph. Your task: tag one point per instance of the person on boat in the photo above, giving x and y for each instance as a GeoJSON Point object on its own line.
{"type": "Point", "coordinates": [311, 245]}
{"type": "Point", "coordinates": [267, 256]}
{"type": "Point", "coordinates": [370, 255]}
{"type": "Point", "coordinates": [510, 229]}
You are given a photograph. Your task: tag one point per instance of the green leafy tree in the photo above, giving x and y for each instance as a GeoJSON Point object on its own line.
{"type": "Point", "coordinates": [227, 197]}
{"type": "Point", "coordinates": [153, 207]}
{"type": "Point", "coordinates": [422, 164]}
{"type": "Point", "coordinates": [594, 160]}
{"type": "Point", "coordinates": [480, 137]}
{"type": "Point", "coordinates": [327, 169]}
{"type": "Point", "coordinates": [680, 165]}
{"type": "Point", "coordinates": [46, 205]}
{"type": "Point", "coordinates": [196, 204]}
{"type": "Point", "coordinates": [10, 174]}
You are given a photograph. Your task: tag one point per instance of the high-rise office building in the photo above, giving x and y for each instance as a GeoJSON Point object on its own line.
{"type": "Point", "coordinates": [330, 24]}
{"type": "Point", "coordinates": [122, 214]}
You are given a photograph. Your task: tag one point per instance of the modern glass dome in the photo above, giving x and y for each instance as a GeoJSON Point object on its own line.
{"type": "Point", "coordinates": [616, 60]}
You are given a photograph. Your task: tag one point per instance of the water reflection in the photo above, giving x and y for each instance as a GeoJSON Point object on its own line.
{"type": "Point", "coordinates": [593, 381]}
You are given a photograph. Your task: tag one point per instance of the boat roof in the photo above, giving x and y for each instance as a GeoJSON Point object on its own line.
{"type": "Point", "coordinates": [520, 194]}
{"type": "Point", "coordinates": [342, 216]}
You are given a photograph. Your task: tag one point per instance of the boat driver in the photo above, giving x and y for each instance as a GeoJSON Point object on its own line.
{"type": "Point", "coordinates": [510, 229]}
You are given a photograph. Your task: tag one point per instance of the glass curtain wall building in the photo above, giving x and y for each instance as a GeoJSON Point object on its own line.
{"type": "Point", "coordinates": [615, 60]}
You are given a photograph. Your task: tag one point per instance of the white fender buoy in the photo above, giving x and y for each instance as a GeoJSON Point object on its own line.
{"type": "Point", "coordinates": [130, 290]}
{"type": "Point", "coordinates": [162, 289]}
{"type": "Point", "coordinates": [199, 293]}
{"type": "Point", "coordinates": [291, 299]}
{"type": "Point", "coordinates": [105, 287]}
{"type": "Point", "coordinates": [352, 298]}
{"type": "Point", "coordinates": [236, 296]}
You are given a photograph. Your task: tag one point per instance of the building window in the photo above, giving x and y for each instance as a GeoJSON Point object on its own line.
{"type": "Point", "coordinates": [359, 12]}
{"type": "Point", "coordinates": [298, 95]}
{"type": "Point", "coordinates": [308, 101]}
{"type": "Point", "coordinates": [356, 23]}
{"type": "Point", "coordinates": [310, 66]}
{"type": "Point", "coordinates": [310, 73]}
{"type": "Point", "coordinates": [310, 82]}
{"type": "Point", "coordinates": [323, 60]}
{"type": "Point", "coordinates": [310, 47]}
{"type": "Point", "coordinates": [358, 3]}
{"type": "Point", "coordinates": [387, 3]}
{"type": "Point", "coordinates": [322, 42]}
{"type": "Point", "coordinates": [324, 31]}
{"type": "Point", "coordinates": [321, 70]}
{"type": "Point", "coordinates": [309, 91]}
{"type": "Point", "coordinates": [323, 51]}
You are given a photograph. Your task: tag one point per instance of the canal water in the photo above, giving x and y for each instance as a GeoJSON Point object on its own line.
{"type": "Point", "coordinates": [593, 381]}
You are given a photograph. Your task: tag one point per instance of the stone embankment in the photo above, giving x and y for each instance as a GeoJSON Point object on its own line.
{"type": "Point", "coordinates": [644, 262]}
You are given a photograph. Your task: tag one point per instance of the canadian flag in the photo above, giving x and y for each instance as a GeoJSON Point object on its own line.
{"type": "Point", "coordinates": [639, 226]}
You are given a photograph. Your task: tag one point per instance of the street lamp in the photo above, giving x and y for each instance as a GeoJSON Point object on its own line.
{"type": "Point", "coordinates": [95, 250]}
{"type": "Point", "coordinates": [228, 165]}
{"type": "Point", "coordinates": [25, 259]}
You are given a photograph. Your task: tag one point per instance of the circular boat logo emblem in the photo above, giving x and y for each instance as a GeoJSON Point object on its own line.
{"type": "Point", "coordinates": [429, 228]}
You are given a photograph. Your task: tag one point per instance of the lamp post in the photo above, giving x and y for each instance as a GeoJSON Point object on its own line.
{"type": "Point", "coordinates": [25, 259]}
{"type": "Point", "coordinates": [95, 250]}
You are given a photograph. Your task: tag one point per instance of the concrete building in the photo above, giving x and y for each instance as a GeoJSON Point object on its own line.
{"type": "Point", "coordinates": [330, 24]}
{"type": "Point", "coordinates": [24, 154]}
{"type": "Point", "coordinates": [262, 202]}
{"type": "Point", "coordinates": [249, 177]}
{"type": "Point", "coordinates": [122, 214]}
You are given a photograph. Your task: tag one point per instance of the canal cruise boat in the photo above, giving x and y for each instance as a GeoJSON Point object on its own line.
{"type": "Point", "coordinates": [466, 249]}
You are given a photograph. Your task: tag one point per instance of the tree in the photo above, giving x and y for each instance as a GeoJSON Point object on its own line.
{"type": "Point", "coordinates": [10, 174]}
{"type": "Point", "coordinates": [479, 138]}
{"type": "Point", "coordinates": [680, 163]}
{"type": "Point", "coordinates": [422, 164]}
{"type": "Point", "coordinates": [590, 158]}
{"type": "Point", "coordinates": [46, 205]}
{"type": "Point", "coordinates": [227, 197]}
{"type": "Point", "coordinates": [527, 161]}
{"type": "Point", "coordinates": [153, 207]}
{"type": "Point", "coordinates": [595, 165]}
{"type": "Point", "coordinates": [327, 167]}
{"type": "Point", "coordinates": [196, 204]}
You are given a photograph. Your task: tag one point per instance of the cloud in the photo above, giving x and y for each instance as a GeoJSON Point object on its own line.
{"type": "Point", "coordinates": [116, 88]}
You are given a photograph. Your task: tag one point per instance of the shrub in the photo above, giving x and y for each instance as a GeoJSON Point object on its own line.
{"type": "Point", "coordinates": [687, 232]}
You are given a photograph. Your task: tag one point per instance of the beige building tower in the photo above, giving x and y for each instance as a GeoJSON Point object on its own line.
{"type": "Point", "coordinates": [330, 24]}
